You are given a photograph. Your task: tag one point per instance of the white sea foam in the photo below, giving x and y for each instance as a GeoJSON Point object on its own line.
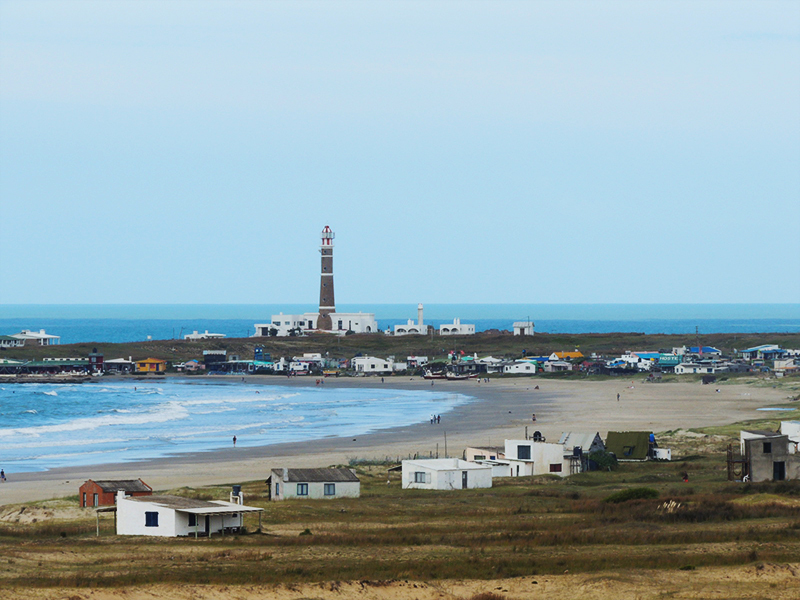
{"type": "Point", "coordinates": [169, 411]}
{"type": "Point", "coordinates": [112, 422]}
{"type": "Point", "coordinates": [51, 393]}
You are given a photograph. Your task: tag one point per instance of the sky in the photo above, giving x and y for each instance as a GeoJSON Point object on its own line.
{"type": "Point", "coordinates": [463, 152]}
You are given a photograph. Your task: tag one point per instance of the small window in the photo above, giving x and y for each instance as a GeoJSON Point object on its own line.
{"type": "Point", "coordinates": [524, 452]}
{"type": "Point", "coordinates": [96, 500]}
{"type": "Point", "coordinates": [419, 477]}
{"type": "Point", "coordinates": [480, 457]}
{"type": "Point", "coordinates": [84, 498]}
{"type": "Point", "coordinates": [151, 519]}
{"type": "Point", "coordinates": [555, 468]}
{"type": "Point", "coordinates": [302, 489]}
{"type": "Point", "coordinates": [330, 489]}
{"type": "Point", "coordinates": [767, 447]}
{"type": "Point", "coordinates": [192, 520]}
{"type": "Point", "coordinates": [277, 489]}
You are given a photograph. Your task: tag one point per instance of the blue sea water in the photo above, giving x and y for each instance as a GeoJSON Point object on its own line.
{"type": "Point", "coordinates": [131, 323]}
{"type": "Point", "coordinates": [46, 426]}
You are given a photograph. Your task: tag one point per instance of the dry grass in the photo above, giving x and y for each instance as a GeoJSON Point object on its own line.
{"type": "Point", "coordinates": [520, 527]}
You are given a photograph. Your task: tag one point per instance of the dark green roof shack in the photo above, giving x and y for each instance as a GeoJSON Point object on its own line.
{"type": "Point", "coordinates": [630, 445]}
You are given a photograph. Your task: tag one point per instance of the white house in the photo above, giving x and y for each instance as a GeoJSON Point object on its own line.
{"type": "Point", "coordinates": [704, 367]}
{"type": "Point", "coordinates": [554, 366]}
{"type": "Point", "coordinates": [544, 457]}
{"type": "Point", "coordinates": [40, 337]}
{"type": "Point", "coordinates": [520, 367]}
{"type": "Point", "coordinates": [416, 361]}
{"type": "Point", "coordinates": [304, 364]}
{"type": "Point", "coordinates": [456, 328]}
{"type": "Point", "coordinates": [523, 327]}
{"type": "Point", "coordinates": [203, 336]}
{"type": "Point", "coordinates": [445, 474]}
{"type": "Point", "coordinates": [410, 328]}
{"type": "Point", "coordinates": [493, 365]}
{"type": "Point", "coordinates": [313, 484]}
{"type": "Point", "coordinates": [284, 325]}
{"type": "Point", "coordinates": [370, 364]}
{"type": "Point", "coordinates": [171, 516]}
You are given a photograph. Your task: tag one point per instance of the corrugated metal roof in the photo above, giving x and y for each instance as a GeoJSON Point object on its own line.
{"type": "Point", "coordinates": [584, 439]}
{"type": "Point", "coordinates": [320, 475]}
{"type": "Point", "coordinates": [195, 506]}
{"type": "Point", "coordinates": [126, 485]}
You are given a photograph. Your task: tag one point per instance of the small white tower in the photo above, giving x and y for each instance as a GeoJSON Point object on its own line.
{"type": "Point", "coordinates": [419, 317]}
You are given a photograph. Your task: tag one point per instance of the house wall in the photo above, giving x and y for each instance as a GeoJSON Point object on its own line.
{"type": "Point", "coordinates": [512, 468]}
{"type": "Point", "coordinates": [316, 490]}
{"type": "Point", "coordinates": [131, 519]}
{"type": "Point", "coordinates": [370, 364]}
{"type": "Point", "coordinates": [151, 367]}
{"type": "Point", "coordinates": [446, 478]}
{"type": "Point", "coordinates": [104, 498]}
{"type": "Point", "coordinates": [761, 463]}
{"type": "Point", "coordinates": [524, 368]}
{"type": "Point", "coordinates": [473, 454]}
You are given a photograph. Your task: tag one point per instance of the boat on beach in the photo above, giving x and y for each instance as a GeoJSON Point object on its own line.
{"type": "Point", "coordinates": [431, 375]}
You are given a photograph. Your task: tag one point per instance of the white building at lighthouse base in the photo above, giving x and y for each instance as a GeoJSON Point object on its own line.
{"type": "Point", "coordinates": [284, 325]}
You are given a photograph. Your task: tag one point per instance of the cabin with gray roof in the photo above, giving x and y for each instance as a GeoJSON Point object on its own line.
{"type": "Point", "coordinates": [104, 492]}
{"type": "Point", "coordinates": [315, 484]}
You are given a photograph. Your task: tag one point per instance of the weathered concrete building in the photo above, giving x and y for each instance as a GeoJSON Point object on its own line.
{"type": "Point", "coordinates": [768, 456]}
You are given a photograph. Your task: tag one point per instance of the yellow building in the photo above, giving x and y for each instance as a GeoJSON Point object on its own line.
{"type": "Point", "coordinates": [566, 355]}
{"type": "Point", "coordinates": [151, 365]}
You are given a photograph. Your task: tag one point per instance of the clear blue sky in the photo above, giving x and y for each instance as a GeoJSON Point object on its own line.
{"type": "Point", "coordinates": [486, 152]}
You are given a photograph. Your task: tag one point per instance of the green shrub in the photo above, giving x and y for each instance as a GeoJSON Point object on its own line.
{"type": "Point", "coordinates": [641, 493]}
{"type": "Point", "coordinates": [605, 460]}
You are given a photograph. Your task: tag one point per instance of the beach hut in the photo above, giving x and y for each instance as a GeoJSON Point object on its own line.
{"type": "Point", "coordinates": [151, 365]}
{"type": "Point", "coordinates": [768, 456]}
{"type": "Point", "coordinates": [172, 516]}
{"type": "Point", "coordinates": [315, 484]}
{"type": "Point", "coordinates": [445, 474]}
{"type": "Point", "coordinates": [104, 492]}
{"type": "Point", "coordinates": [539, 456]}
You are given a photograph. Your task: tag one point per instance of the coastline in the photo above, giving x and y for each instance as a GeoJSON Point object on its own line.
{"type": "Point", "coordinates": [497, 411]}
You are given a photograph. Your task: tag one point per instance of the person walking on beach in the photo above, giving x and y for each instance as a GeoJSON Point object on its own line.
{"type": "Point", "coordinates": [234, 441]}
{"type": "Point", "coordinates": [617, 397]}
{"type": "Point", "coordinates": [2, 476]}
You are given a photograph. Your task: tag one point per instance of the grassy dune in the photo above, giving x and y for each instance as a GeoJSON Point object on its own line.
{"type": "Point", "coordinates": [520, 527]}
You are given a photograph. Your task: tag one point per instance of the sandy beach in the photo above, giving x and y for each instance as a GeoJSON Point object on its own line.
{"type": "Point", "coordinates": [501, 409]}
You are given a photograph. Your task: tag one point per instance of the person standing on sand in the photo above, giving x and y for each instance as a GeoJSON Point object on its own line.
{"type": "Point", "coordinates": [234, 441]}
{"type": "Point", "coordinates": [617, 397]}
{"type": "Point", "coordinates": [2, 476]}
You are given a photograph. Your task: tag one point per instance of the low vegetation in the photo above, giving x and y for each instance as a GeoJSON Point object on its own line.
{"type": "Point", "coordinates": [640, 515]}
{"type": "Point", "coordinates": [501, 344]}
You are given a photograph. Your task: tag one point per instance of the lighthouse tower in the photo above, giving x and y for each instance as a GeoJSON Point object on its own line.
{"type": "Point", "coordinates": [327, 304]}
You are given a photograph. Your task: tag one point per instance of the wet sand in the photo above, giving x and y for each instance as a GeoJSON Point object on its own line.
{"type": "Point", "coordinates": [499, 410]}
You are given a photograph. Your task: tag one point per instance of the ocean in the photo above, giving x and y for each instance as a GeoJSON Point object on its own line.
{"type": "Point", "coordinates": [132, 323]}
{"type": "Point", "coordinates": [45, 426]}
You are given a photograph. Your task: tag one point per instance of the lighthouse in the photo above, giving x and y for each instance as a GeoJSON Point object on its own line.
{"type": "Point", "coordinates": [327, 304]}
